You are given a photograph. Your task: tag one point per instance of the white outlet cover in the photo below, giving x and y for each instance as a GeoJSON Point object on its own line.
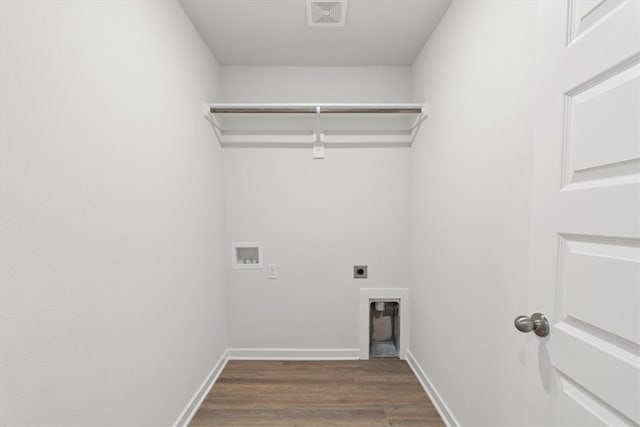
{"type": "Point", "coordinates": [273, 271]}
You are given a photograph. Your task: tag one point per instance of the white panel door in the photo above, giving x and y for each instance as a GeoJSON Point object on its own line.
{"type": "Point", "coordinates": [585, 250]}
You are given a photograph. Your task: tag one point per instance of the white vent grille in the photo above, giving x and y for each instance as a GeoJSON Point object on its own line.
{"type": "Point", "coordinates": [321, 13]}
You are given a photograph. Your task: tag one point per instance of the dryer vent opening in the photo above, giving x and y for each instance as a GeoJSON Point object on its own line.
{"type": "Point", "coordinates": [384, 329]}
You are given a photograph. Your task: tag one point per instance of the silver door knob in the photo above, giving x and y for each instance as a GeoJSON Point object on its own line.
{"type": "Point", "coordinates": [536, 323]}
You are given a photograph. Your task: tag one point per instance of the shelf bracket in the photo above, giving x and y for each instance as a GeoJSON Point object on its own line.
{"type": "Point", "coordinates": [212, 121]}
{"type": "Point", "coordinates": [318, 138]}
{"type": "Point", "coordinates": [318, 145]}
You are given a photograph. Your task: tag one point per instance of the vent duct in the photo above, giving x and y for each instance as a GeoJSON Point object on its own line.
{"type": "Point", "coordinates": [321, 13]}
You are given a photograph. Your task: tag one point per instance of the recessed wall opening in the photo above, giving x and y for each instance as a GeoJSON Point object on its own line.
{"type": "Point", "coordinates": [384, 329]}
{"type": "Point", "coordinates": [400, 319]}
{"type": "Point", "coordinates": [246, 255]}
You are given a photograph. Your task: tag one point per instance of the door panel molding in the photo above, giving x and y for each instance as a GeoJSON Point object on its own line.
{"type": "Point", "coordinates": [598, 276]}
{"type": "Point", "coordinates": [622, 169]}
{"type": "Point", "coordinates": [592, 410]}
{"type": "Point", "coordinates": [585, 15]}
{"type": "Point", "coordinates": [611, 374]}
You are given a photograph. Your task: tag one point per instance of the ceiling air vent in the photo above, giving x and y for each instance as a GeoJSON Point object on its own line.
{"type": "Point", "coordinates": [322, 13]}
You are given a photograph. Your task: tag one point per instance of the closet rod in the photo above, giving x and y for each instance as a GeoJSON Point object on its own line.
{"type": "Point", "coordinates": [313, 110]}
{"type": "Point", "coordinates": [365, 110]}
{"type": "Point", "coordinates": [261, 110]}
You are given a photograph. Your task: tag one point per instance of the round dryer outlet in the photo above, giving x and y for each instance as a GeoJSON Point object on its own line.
{"type": "Point", "coordinates": [359, 271]}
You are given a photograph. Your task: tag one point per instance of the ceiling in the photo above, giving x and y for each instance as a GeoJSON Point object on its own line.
{"type": "Point", "coordinates": [275, 32]}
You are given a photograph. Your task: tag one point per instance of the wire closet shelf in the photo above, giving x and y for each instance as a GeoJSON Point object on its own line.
{"type": "Point", "coordinates": [312, 124]}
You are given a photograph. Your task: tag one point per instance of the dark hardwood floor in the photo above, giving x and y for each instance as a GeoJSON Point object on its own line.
{"type": "Point", "coordinates": [329, 393]}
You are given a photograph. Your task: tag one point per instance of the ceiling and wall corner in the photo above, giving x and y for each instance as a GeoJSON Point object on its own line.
{"type": "Point", "coordinates": [275, 32]}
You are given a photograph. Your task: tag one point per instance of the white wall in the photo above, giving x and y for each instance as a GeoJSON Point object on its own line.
{"type": "Point", "coordinates": [112, 275]}
{"type": "Point", "coordinates": [470, 184]}
{"type": "Point", "coordinates": [316, 218]}
{"type": "Point", "coordinates": [315, 84]}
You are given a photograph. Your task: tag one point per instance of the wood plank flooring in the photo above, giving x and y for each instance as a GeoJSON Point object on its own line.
{"type": "Point", "coordinates": [362, 393]}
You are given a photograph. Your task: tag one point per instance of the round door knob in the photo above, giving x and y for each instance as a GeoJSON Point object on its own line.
{"type": "Point", "coordinates": [537, 323]}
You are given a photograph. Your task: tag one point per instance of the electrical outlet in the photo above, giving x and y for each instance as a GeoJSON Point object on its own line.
{"type": "Point", "coordinates": [273, 271]}
{"type": "Point", "coordinates": [359, 271]}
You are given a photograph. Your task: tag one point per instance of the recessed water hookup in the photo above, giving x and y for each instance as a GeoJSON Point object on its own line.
{"type": "Point", "coordinates": [359, 271]}
{"type": "Point", "coordinates": [246, 255]}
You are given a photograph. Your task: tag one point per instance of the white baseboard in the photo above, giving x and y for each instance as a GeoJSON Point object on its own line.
{"type": "Point", "coordinates": [442, 408]}
{"type": "Point", "coordinates": [195, 402]}
{"type": "Point", "coordinates": [293, 353]}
